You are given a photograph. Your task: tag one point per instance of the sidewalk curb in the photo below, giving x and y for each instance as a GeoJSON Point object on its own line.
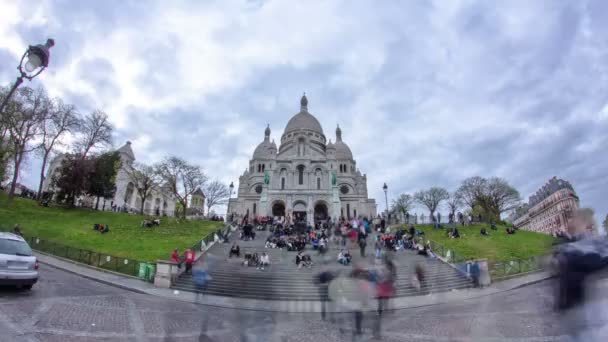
{"type": "Point", "coordinates": [400, 303]}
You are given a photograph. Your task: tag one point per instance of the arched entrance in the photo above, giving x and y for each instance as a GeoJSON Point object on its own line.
{"type": "Point", "coordinates": [321, 212]}
{"type": "Point", "coordinates": [278, 209]}
{"type": "Point", "coordinates": [299, 212]}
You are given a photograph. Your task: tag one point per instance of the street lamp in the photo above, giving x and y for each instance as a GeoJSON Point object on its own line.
{"type": "Point", "coordinates": [385, 188]}
{"type": "Point", "coordinates": [231, 187]}
{"type": "Point", "coordinates": [33, 62]}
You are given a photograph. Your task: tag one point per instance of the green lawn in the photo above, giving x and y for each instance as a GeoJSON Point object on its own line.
{"type": "Point", "coordinates": [497, 247]}
{"type": "Point", "coordinates": [74, 227]}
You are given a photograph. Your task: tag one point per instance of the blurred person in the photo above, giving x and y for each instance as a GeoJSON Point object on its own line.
{"type": "Point", "coordinates": [575, 262]}
{"type": "Point", "coordinates": [189, 258]}
{"type": "Point", "coordinates": [322, 280]}
{"type": "Point", "coordinates": [264, 261]}
{"type": "Point", "coordinates": [175, 256]}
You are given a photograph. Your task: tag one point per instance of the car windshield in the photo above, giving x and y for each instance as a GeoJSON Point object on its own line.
{"type": "Point", "coordinates": [14, 247]}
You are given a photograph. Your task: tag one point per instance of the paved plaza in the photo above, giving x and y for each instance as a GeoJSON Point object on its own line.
{"type": "Point", "coordinates": [67, 307]}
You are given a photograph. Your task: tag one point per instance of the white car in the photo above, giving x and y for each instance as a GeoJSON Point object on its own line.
{"type": "Point", "coordinates": [18, 266]}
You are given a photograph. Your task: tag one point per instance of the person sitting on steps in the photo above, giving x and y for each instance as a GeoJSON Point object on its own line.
{"type": "Point", "coordinates": [484, 232]}
{"type": "Point", "coordinates": [235, 250]}
{"type": "Point", "coordinates": [264, 261]}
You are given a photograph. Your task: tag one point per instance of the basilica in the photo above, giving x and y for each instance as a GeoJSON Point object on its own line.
{"type": "Point", "coordinates": [307, 177]}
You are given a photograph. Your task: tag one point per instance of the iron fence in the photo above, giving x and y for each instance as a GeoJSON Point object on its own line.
{"type": "Point", "coordinates": [448, 254]}
{"type": "Point", "coordinates": [209, 238]}
{"type": "Point", "coordinates": [502, 270]}
{"type": "Point", "coordinates": [97, 259]}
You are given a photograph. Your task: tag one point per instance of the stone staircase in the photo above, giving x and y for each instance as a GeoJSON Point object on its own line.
{"type": "Point", "coordinates": [284, 281]}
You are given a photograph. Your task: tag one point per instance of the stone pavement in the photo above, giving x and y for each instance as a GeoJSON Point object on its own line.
{"type": "Point", "coordinates": [136, 285]}
{"type": "Point", "coordinates": [67, 307]}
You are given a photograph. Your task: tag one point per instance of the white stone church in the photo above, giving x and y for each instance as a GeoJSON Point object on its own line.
{"type": "Point", "coordinates": [161, 201]}
{"type": "Point", "coordinates": [306, 178]}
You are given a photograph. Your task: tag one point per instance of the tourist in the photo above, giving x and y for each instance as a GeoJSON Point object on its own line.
{"type": "Point", "coordinates": [484, 232]}
{"type": "Point", "coordinates": [17, 230]}
{"type": "Point", "coordinates": [264, 261]}
{"type": "Point", "coordinates": [235, 250]}
{"type": "Point", "coordinates": [175, 256]}
{"type": "Point", "coordinates": [299, 260]}
{"type": "Point", "coordinates": [189, 257]}
{"type": "Point", "coordinates": [344, 257]}
{"type": "Point", "coordinates": [378, 247]}
{"type": "Point", "coordinates": [323, 279]}
{"type": "Point", "coordinates": [362, 245]}
{"type": "Point", "coordinates": [382, 225]}
{"type": "Point", "coordinates": [475, 272]}
{"type": "Point", "coordinates": [306, 261]}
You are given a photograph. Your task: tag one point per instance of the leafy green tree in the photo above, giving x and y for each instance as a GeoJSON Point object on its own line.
{"type": "Point", "coordinates": [101, 179]}
{"type": "Point", "coordinates": [72, 178]}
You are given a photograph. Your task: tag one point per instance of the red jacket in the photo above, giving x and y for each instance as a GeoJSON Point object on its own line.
{"type": "Point", "coordinates": [189, 256]}
{"type": "Point", "coordinates": [175, 257]}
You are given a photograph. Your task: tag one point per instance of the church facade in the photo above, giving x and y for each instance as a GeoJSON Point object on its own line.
{"type": "Point", "coordinates": [307, 177]}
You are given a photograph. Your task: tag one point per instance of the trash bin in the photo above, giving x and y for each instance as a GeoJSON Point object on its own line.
{"type": "Point", "coordinates": [142, 270]}
{"type": "Point", "coordinates": [150, 272]}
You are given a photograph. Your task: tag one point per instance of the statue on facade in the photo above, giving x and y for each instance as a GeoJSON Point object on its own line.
{"type": "Point", "coordinates": [334, 179]}
{"type": "Point", "coordinates": [266, 178]}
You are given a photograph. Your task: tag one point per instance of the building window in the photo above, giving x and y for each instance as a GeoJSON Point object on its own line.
{"type": "Point", "coordinates": [348, 210]}
{"type": "Point", "coordinates": [301, 174]}
{"type": "Point", "coordinates": [263, 167]}
{"type": "Point", "coordinates": [254, 208]}
{"type": "Point", "coordinates": [282, 183]}
{"type": "Point", "coordinates": [355, 213]}
{"type": "Point", "coordinates": [258, 189]}
{"type": "Point", "coordinates": [318, 183]}
{"type": "Point", "coordinates": [344, 189]}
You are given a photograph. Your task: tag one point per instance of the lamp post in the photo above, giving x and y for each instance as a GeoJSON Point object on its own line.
{"type": "Point", "coordinates": [38, 57]}
{"type": "Point", "coordinates": [229, 197]}
{"type": "Point", "coordinates": [385, 188]}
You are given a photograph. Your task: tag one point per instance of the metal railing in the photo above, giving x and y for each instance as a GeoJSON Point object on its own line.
{"type": "Point", "coordinates": [449, 255]}
{"type": "Point", "coordinates": [85, 256]}
{"type": "Point", "coordinates": [502, 270]}
{"type": "Point", "coordinates": [209, 238]}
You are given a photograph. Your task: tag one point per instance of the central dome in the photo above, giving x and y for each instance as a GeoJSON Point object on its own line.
{"type": "Point", "coordinates": [303, 120]}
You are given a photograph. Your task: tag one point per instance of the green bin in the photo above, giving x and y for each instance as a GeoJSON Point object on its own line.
{"type": "Point", "coordinates": [150, 272]}
{"type": "Point", "coordinates": [142, 270]}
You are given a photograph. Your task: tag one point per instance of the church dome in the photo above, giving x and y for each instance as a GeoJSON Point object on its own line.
{"type": "Point", "coordinates": [330, 145]}
{"type": "Point", "coordinates": [265, 149]}
{"type": "Point", "coordinates": [303, 120]}
{"type": "Point", "coordinates": [343, 151]}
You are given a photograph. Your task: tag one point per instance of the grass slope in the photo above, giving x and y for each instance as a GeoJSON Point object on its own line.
{"type": "Point", "coordinates": [74, 227]}
{"type": "Point", "coordinates": [497, 247]}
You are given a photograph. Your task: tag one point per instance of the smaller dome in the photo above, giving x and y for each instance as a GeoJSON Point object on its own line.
{"type": "Point", "coordinates": [330, 145]}
{"type": "Point", "coordinates": [265, 150]}
{"type": "Point", "coordinates": [343, 151]}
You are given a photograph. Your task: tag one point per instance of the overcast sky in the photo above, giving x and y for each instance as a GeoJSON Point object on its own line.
{"type": "Point", "coordinates": [426, 92]}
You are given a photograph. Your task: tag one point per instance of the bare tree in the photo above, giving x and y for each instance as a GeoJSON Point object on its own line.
{"type": "Point", "coordinates": [494, 196]}
{"type": "Point", "coordinates": [431, 198]}
{"type": "Point", "coordinates": [96, 131]}
{"type": "Point", "coordinates": [501, 197]}
{"type": "Point", "coordinates": [216, 193]}
{"type": "Point", "coordinates": [144, 179]}
{"type": "Point", "coordinates": [472, 191]}
{"type": "Point", "coordinates": [454, 202]}
{"type": "Point", "coordinates": [182, 179]}
{"type": "Point", "coordinates": [403, 203]}
{"type": "Point", "coordinates": [62, 119]}
{"type": "Point", "coordinates": [25, 115]}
